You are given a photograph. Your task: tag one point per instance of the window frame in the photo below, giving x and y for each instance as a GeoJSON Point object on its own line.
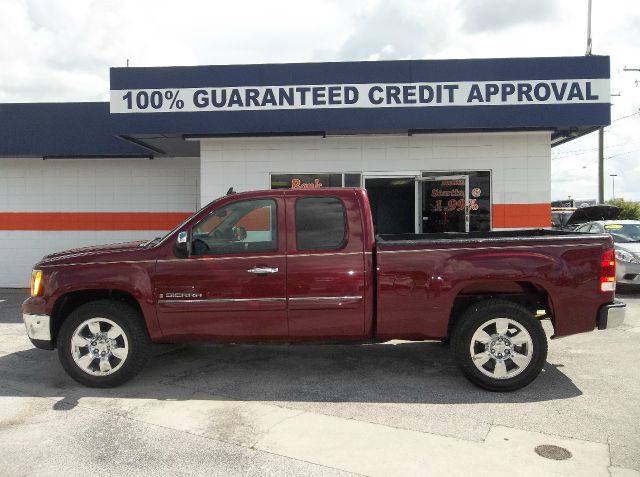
{"type": "Point", "coordinates": [345, 222]}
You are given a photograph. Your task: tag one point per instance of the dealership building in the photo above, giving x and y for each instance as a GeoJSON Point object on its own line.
{"type": "Point", "coordinates": [440, 145]}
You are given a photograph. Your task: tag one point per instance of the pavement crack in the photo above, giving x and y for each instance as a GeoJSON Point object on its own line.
{"type": "Point", "coordinates": [273, 426]}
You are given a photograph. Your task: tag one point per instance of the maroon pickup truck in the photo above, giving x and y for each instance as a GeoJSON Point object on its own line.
{"type": "Point", "coordinates": [303, 265]}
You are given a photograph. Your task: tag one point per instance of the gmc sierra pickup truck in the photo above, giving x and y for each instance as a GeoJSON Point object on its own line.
{"type": "Point", "coordinates": [302, 265]}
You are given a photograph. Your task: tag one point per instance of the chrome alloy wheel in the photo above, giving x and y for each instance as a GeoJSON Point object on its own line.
{"type": "Point", "coordinates": [99, 346]}
{"type": "Point", "coordinates": [501, 348]}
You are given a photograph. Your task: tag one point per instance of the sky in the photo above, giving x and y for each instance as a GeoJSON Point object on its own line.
{"type": "Point", "coordinates": [61, 50]}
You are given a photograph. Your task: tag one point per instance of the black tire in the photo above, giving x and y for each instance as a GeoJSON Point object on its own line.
{"type": "Point", "coordinates": [482, 313]}
{"type": "Point", "coordinates": [134, 329]}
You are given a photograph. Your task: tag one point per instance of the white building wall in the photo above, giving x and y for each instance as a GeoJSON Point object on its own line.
{"type": "Point", "coordinates": [138, 186]}
{"type": "Point", "coordinates": [520, 162]}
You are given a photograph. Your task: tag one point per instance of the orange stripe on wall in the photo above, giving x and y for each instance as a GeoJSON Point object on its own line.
{"type": "Point", "coordinates": [521, 215]}
{"type": "Point", "coordinates": [91, 220]}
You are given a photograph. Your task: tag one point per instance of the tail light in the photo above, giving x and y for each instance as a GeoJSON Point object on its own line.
{"type": "Point", "coordinates": [608, 271]}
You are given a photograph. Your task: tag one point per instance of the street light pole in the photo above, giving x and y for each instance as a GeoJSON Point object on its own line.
{"type": "Point", "coordinates": [613, 184]}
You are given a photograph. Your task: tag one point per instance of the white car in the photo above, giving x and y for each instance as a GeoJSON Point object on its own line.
{"type": "Point", "coordinates": [626, 237]}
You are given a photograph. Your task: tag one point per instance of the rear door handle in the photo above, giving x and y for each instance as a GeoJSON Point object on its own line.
{"type": "Point", "coordinates": [263, 270]}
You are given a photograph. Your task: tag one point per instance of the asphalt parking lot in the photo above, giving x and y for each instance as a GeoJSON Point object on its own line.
{"type": "Point", "coordinates": [388, 409]}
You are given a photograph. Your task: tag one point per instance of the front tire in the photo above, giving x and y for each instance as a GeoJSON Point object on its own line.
{"type": "Point", "coordinates": [103, 344]}
{"type": "Point", "coordinates": [499, 345]}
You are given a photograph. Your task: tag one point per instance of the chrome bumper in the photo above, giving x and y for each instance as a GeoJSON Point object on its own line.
{"type": "Point", "coordinates": [37, 327]}
{"type": "Point", "coordinates": [611, 315]}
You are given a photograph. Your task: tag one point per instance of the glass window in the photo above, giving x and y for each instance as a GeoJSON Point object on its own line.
{"type": "Point", "coordinates": [583, 228]}
{"type": "Point", "coordinates": [320, 223]}
{"type": "Point", "coordinates": [244, 226]}
{"type": "Point", "coordinates": [353, 180]}
{"type": "Point", "coordinates": [479, 194]}
{"type": "Point", "coordinates": [624, 233]}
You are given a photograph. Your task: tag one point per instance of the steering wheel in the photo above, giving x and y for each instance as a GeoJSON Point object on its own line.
{"type": "Point", "coordinates": [200, 246]}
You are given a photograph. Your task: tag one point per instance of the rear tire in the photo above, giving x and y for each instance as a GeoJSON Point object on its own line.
{"type": "Point", "coordinates": [499, 345]}
{"type": "Point", "coordinates": [103, 344]}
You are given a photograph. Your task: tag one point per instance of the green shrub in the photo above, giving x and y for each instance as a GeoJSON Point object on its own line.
{"type": "Point", "coordinates": [630, 209]}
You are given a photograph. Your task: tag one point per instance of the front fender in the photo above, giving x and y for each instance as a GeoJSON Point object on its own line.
{"type": "Point", "coordinates": [133, 278]}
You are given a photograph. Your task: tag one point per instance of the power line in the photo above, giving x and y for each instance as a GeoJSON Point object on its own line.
{"type": "Point", "coordinates": [625, 117]}
{"type": "Point", "coordinates": [587, 151]}
{"type": "Point", "coordinates": [595, 148]}
{"type": "Point", "coordinates": [624, 153]}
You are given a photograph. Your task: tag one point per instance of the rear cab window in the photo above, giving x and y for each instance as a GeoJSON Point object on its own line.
{"type": "Point", "coordinates": [320, 223]}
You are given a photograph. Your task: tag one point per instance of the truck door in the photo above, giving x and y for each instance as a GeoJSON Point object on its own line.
{"type": "Point", "coordinates": [233, 285]}
{"type": "Point", "coordinates": [325, 267]}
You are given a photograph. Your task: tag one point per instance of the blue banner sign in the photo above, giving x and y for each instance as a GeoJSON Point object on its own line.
{"type": "Point", "coordinates": [517, 93]}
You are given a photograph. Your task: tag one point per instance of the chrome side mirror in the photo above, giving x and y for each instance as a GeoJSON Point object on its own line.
{"type": "Point", "coordinates": [181, 247]}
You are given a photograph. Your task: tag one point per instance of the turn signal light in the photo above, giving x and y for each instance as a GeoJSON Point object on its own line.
{"type": "Point", "coordinates": [608, 271]}
{"type": "Point", "coordinates": [36, 283]}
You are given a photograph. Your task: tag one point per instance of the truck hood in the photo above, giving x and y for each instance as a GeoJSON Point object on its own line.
{"type": "Point", "coordinates": [95, 253]}
{"type": "Point", "coordinates": [594, 212]}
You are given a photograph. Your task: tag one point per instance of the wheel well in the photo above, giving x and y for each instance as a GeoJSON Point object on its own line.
{"type": "Point", "coordinates": [67, 303]}
{"type": "Point", "coordinates": [528, 294]}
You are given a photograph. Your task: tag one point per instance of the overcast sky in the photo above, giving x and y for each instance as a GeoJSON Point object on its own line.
{"type": "Point", "coordinates": [61, 50]}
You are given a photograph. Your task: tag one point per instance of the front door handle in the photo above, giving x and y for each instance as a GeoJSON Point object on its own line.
{"type": "Point", "coordinates": [263, 270]}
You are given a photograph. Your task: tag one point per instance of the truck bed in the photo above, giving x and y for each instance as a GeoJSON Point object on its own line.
{"type": "Point", "coordinates": [421, 277]}
{"type": "Point", "coordinates": [479, 237]}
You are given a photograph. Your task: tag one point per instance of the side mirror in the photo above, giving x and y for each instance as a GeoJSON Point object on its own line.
{"type": "Point", "coordinates": [181, 247]}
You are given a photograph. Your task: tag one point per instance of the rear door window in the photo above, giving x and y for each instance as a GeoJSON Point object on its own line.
{"type": "Point", "coordinates": [320, 223]}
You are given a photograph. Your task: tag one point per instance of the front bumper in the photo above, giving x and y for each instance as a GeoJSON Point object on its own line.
{"type": "Point", "coordinates": [38, 330]}
{"type": "Point", "coordinates": [611, 315]}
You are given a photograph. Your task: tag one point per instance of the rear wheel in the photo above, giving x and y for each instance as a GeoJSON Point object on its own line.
{"type": "Point", "coordinates": [499, 345]}
{"type": "Point", "coordinates": [103, 344]}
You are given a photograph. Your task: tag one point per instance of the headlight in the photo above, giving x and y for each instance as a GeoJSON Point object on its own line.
{"type": "Point", "coordinates": [625, 256]}
{"type": "Point", "coordinates": [36, 283]}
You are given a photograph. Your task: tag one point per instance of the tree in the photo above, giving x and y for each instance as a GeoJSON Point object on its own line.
{"type": "Point", "coordinates": [630, 209]}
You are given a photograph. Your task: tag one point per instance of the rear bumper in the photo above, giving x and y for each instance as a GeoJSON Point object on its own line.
{"type": "Point", "coordinates": [611, 315]}
{"type": "Point", "coordinates": [38, 330]}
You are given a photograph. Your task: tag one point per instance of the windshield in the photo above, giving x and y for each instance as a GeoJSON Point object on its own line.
{"type": "Point", "coordinates": [158, 240]}
{"type": "Point", "coordinates": [624, 233]}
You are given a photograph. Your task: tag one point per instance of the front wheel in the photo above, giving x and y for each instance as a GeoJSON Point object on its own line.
{"type": "Point", "coordinates": [103, 344]}
{"type": "Point", "coordinates": [499, 345]}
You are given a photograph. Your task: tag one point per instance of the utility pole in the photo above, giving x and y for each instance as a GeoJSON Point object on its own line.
{"type": "Point", "coordinates": [601, 166]}
{"type": "Point", "coordinates": [601, 130]}
{"type": "Point", "coordinates": [613, 184]}
{"type": "Point", "coordinates": [588, 53]}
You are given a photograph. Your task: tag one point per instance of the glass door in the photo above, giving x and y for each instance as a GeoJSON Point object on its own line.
{"type": "Point", "coordinates": [394, 202]}
{"type": "Point", "coordinates": [445, 204]}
